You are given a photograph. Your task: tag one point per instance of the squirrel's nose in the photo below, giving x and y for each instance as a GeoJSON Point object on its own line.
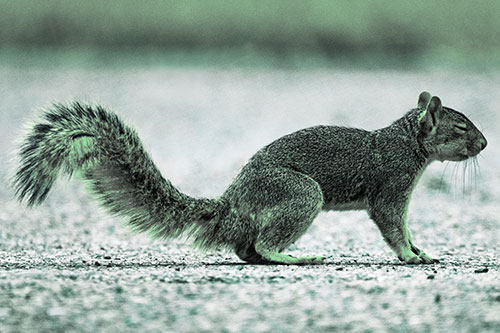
{"type": "Point", "coordinates": [483, 142]}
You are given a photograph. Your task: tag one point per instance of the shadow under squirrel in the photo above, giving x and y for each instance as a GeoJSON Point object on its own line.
{"type": "Point", "coordinates": [277, 194]}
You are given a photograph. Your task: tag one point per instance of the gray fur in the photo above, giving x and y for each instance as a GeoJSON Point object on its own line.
{"type": "Point", "coordinates": [277, 194]}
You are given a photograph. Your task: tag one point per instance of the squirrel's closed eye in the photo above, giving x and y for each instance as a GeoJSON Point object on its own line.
{"type": "Point", "coordinates": [461, 127]}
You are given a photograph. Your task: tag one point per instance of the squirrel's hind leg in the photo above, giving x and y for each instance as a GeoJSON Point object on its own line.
{"type": "Point", "coordinates": [287, 220]}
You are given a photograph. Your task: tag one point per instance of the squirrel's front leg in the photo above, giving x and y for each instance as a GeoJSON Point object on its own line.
{"type": "Point", "coordinates": [390, 218]}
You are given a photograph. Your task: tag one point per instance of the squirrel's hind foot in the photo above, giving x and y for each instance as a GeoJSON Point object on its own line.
{"type": "Point", "coordinates": [275, 258]}
{"type": "Point", "coordinates": [285, 259]}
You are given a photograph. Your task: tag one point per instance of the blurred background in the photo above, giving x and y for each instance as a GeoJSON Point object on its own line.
{"type": "Point", "coordinates": [364, 33]}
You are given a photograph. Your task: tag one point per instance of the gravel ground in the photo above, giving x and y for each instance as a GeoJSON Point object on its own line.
{"type": "Point", "coordinates": [68, 267]}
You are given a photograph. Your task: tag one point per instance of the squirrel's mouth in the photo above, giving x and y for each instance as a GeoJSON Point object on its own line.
{"type": "Point", "coordinates": [458, 157]}
{"type": "Point", "coordinates": [473, 152]}
{"type": "Point", "coordinates": [468, 152]}
{"type": "Point", "coordinates": [462, 157]}
{"type": "Point", "coordinates": [474, 149]}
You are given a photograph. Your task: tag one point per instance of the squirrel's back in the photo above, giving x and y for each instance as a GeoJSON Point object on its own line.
{"type": "Point", "coordinates": [340, 153]}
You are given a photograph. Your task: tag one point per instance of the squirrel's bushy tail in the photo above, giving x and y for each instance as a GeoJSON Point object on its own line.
{"type": "Point", "coordinates": [110, 156]}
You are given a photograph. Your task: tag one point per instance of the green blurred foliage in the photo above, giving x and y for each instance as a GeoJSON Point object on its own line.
{"type": "Point", "coordinates": [404, 28]}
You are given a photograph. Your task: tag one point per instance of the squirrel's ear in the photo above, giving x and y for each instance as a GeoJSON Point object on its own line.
{"type": "Point", "coordinates": [423, 99]}
{"type": "Point", "coordinates": [431, 116]}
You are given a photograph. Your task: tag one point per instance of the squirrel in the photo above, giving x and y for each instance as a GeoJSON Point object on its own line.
{"type": "Point", "coordinates": [276, 195]}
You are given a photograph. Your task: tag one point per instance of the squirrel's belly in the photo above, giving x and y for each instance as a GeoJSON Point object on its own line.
{"type": "Point", "coordinates": [352, 205]}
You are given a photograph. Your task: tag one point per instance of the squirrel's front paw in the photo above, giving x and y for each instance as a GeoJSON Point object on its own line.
{"type": "Point", "coordinates": [426, 259]}
{"type": "Point", "coordinates": [413, 259]}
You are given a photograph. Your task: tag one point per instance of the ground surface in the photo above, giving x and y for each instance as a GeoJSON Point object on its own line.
{"type": "Point", "coordinates": [67, 266]}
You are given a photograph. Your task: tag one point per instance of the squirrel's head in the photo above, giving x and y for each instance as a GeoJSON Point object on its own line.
{"type": "Point", "coordinates": [445, 133]}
